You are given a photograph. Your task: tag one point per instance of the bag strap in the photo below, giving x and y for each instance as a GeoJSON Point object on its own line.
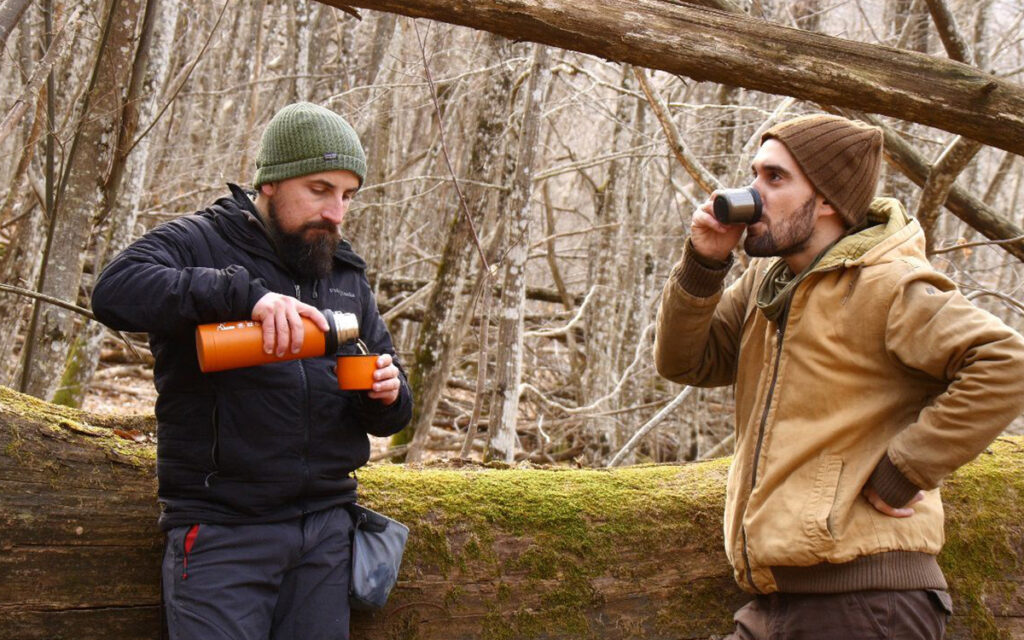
{"type": "Point", "coordinates": [367, 519]}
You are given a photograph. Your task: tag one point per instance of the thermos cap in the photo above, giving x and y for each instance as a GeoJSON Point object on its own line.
{"type": "Point", "coordinates": [342, 327]}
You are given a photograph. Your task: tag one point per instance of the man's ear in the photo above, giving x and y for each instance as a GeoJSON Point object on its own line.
{"type": "Point", "coordinates": [825, 208]}
{"type": "Point", "coordinates": [267, 189]}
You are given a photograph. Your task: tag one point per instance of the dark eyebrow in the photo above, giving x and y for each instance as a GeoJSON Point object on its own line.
{"type": "Point", "coordinates": [773, 168]}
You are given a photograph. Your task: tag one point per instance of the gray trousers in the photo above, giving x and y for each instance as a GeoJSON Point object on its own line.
{"type": "Point", "coordinates": [283, 581]}
{"type": "Point", "coordinates": [859, 615]}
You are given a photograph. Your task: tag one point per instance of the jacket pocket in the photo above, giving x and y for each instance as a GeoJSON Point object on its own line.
{"type": "Point", "coordinates": [818, 517]}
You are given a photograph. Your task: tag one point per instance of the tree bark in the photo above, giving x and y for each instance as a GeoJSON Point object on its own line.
{"type": "Point", "coordinates": [604, 330]}
{"type": "Point", "coordinates": [501, 431]}
{"type": "Point", "coordinates": [735, 49]}
{"type": "Point", "coordinates": [630, 552]}
{"type": "Point", "coordinates": [126, 186]}
{"type": "Point", "coordinates": [91, 162]}
{"type": "Point", "coordinates": [435, 348]}
{"type": "Point", "coordinates": [10, 14]}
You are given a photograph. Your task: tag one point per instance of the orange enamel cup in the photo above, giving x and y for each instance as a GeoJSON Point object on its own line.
{"type": "Point", "coordinates": [355, 373]}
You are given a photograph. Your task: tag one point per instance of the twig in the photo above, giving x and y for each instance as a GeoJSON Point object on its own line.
{"type": "Point", "coordinates": [70, 307]}
{"type": "Point", "coordinates": [56, 54]}
{"type": "Point", "coordinates": [551, 333]}
{"type": "Point", "coordinates": [690, 163]}
{"type": "Point", "coordinates": [625, 377]}
{"type": "Point", "coordinates": [481, 375]}
{"type": "Point", "coordinates": [1009, 300]}
{"type": "Point", "coordinates": [653, 422]}
{"type": "Point", "coordinates": [720, 448]}
{"type": "Point", "coordinates": [408, 302]}
{"type": "Point", "coordinates": [181, 82]}
{"type": "Point", "coordinates": [979, 243]}
{"type": "Point", "coordinates": [393, 452]}
{"type": "Point", "coordinates": [45, 298]}
{"type": "Point", "coordinates": [444, 148]}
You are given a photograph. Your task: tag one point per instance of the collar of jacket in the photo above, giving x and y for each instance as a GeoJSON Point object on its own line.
{"type": "Point", "coordinates": [238, 217]}
{"type": "Point", "coordinates": [887, 227]}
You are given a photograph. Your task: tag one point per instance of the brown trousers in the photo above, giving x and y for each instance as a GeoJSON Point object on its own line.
{"type": "Point", "coordinates": [859, 615]}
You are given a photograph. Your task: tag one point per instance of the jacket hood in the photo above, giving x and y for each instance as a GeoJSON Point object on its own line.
{"type": "Point", "coordinates": [890, 233]}
{"type": "Point", "coordinates": [237, 216]}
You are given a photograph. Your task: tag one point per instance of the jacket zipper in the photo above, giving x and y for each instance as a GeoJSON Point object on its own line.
{"type": "Point", "coordinates": [306, 418]}
{"type": "Point", "coordinates": [780, 333]}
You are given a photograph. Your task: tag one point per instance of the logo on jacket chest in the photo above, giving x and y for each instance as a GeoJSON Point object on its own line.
{"type": "Point", "coordinates": [344, 294]}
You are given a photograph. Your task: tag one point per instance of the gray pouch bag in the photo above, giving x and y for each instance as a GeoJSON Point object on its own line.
{"type": "Point", "coordinates": [377, 546]}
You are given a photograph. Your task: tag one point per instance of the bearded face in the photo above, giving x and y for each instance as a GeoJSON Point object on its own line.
{"type": "Point", "coordinates": [304, 216]}
{"type": "Point", "coordinates": [783, 235]}
{"type": "Point", "coordinates": [308, 250]}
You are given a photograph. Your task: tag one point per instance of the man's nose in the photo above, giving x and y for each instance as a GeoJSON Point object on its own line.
{"type": "Point", "coordinates": [335, 211]}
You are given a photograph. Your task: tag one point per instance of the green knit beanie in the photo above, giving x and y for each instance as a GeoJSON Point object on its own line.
{"type": "Point", "coordinates": [305, 138]}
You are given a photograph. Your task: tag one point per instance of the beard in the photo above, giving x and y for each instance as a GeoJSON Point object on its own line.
{"type": "Point", "coordinates": [792, 236]}
{"type": "Point", "coordinates": [311, 259]}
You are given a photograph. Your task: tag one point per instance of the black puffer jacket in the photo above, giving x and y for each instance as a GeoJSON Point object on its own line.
{"type": "Point", "coordinates": [259, 444]}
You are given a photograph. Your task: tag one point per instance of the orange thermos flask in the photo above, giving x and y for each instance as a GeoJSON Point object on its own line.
{"type": "Point", "coordinates": [232, 345]}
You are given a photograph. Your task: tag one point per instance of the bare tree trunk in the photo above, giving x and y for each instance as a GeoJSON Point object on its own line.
{"type": "Point", "coordinates": [378, 145]}
{"type": "Point", "coordinates": [604, 325]}
{"type": "Point", "coordinates": [245, 115]}
{"type": "Point", "coordinates": [435, 351]}
{"type": "Point", "coordinates": [80, 199]}
{"type": "Point", "coordinates": [501, 430]}
{"type": "Point", "coordinates": [20, 265]}
{"type": "Point", "coordinates": [149, 77]}
{"type": "Point", "coordinates": [639, 272]}
{"type": "Point", "coordinates": [307, 16]}
{"type": "Point", "coordinates": [911, 20]}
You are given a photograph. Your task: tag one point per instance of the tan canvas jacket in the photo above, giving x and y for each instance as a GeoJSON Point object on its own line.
{"type": "Point", "coordinates": [882, 367]}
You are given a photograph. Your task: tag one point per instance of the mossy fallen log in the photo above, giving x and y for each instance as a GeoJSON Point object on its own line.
{"type": "Point", "coordinates": [493, 553]}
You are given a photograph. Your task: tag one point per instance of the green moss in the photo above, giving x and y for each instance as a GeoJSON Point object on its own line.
{"type": "Point", "coordinates": [543, 538]}
{"type": "Point", "coordinates": [97, 429]}
{"type": "Point", "coordinates": [532, 547]}
{"type": "Point", "coordinates": [69, 391]}
{"type": "Point", "coordinates": [984, 535]}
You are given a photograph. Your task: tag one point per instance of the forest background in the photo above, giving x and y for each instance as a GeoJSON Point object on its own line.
{"type": "Point", "coordinates": [523, 207]}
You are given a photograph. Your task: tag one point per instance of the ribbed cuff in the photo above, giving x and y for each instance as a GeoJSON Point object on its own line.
{"type": "Point", "coordinates": [896, 570]}
{"type": "Point", "coordinates": [891, 485]}
{"type": "Point", "coordinates": [700, 276]}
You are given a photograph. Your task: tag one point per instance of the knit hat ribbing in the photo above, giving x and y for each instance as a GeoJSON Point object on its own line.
{"type": "Point", "coordinates": [840, 157]}
{"type": "Point", "coordinates": [305, 138]}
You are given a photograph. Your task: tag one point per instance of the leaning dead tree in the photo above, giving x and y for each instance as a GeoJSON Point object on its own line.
{"type": "Point", "coordinates": [736, 49]}
{"type": "Point", "coordinates": [493, 553]}
{"type": "Point", "coordinates": [710, 40]}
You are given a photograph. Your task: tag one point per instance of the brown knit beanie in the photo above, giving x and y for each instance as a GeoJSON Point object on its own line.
{"type": "Point", "coordinates": [840, 157]}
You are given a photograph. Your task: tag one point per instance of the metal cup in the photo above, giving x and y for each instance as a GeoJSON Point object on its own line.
{"type": "Point", "coordinates": [738, 206]}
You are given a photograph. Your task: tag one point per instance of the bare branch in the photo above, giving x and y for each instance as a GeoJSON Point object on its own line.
{"type": "Point", "coordinates": [963, 205]}
{"type": "Point", "coordinates": [649, 425]}
{"type": "Point", "coordinates": [55, 56]}
{"type": "Point", "coordinates": [551, 333]}
{"type": "Point", "coordinates": [940, 181]}
{"type": "Point", "coordinates": [690, 163]}
{"type": "Point", "coordinates": [945, 23]}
